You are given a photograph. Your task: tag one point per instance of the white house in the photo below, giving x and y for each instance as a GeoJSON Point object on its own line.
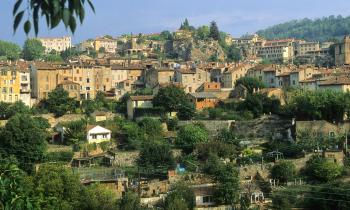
{"type": "Point", "coordinates": [97, 134]}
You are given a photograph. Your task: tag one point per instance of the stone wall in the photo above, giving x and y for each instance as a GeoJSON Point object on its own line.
{"type": "Point", "coordinates": [213, 126]}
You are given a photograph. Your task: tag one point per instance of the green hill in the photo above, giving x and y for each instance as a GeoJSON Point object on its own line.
{"type": "Point", "coordinates": [321, 29]}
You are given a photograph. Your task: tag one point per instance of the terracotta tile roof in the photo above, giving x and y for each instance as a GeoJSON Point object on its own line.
{"type": "Point", "coordinates": [336, 81]}
{"type": "Point", "coordinates": [186, 71]}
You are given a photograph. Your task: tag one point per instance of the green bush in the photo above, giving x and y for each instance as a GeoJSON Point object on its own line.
{"type": "Point", "coordinates": [62, 156]}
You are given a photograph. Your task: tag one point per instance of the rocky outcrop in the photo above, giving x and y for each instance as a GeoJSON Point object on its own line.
{"type": "Point", "coordinates": [190, 49]}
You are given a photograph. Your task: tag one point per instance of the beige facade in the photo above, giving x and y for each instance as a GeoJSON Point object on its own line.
{"type": "Point", "coordinates": [230, 76]}
{"type": "Point", "coordinates": [191, 79]}
{"type": "Point", "coordinates": [159, 76]}
{"type": "Point", "coordinates": [110, 45]}
{"type": "Point", "coordinates": [342, 52]}
{"type": "Point", "coordinates": [282, 50]}
{"type": "Point", "coordinates": [58, 44]}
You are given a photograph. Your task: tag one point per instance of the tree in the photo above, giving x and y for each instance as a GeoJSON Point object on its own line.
{"type": "Point", "coordinates": [227, 190]}
{"type": "Point", "coordinates": [202, 33]}
{"type": "Point", "coordinates": [173, 99]}
{"type": "Point", "coordinates": [59, 102]}
{"type": "Point", "coordinates": [58, 187]}
{"type": "Point", "coordinates": [15, 187]}
{"type": "Point", "coordinates": [186, 26]}
{"type": "Point", "coordinates": [33, 50]}
{"type": "Point", "coordinates": [190, 135]}
{"type": "Point", "coordinates": [130, 201]}
{"type": "Point", "coordinates": [24, 138]}
{"type": "Point", "coordinates": [102, 50]}
{"type": "Point", "coordinates": [251, 83]}
{"type": "Point", "coordinates": [75, 132]}
{"type": "Point", "coordinates": [166, 35]}
{"type": "Point", "coordinates": [214, 32]}
{"type": "Point", "coordinates": [180, 197]}
{"type": "Point", "coordinates": [234, 54]}
{"type": "Point", "coordinates": [9, 50]}
{"type": "Point", "coordinates": [69, 53]}
{"type": "Point", "coordinates": [152, 128]}
{"type": "Point", "coordinates": [97, 197]}
{"type": "Point", "coordinates": [322, 170]}
{"type": "Point", "coordinates": [54, 12]}
{"type": "Point", "coordinates": [133, 135]}
{"type": "Point", "coordinates": [283, 171]}
{"type": "Point", "coordinates": [155, 155]}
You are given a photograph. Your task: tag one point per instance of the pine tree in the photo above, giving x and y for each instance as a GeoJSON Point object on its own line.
{"type": "Point", "coordinates": [214, 31]}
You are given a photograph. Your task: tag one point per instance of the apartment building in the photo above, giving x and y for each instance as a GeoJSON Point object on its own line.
{"type": "Point", "coordinates": [304, 48]}
{"type": "Point", "coordinates": [58, 44]}
{"type": "Point", "coordinates": [14, 84]}
{"type": "Point", "coordinates": [277, 50]}
{"type": "Point", "coordinates": [110, 45]}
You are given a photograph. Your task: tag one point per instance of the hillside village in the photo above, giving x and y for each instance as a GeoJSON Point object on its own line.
{"type": "Point", "coordinates": [191, 119]}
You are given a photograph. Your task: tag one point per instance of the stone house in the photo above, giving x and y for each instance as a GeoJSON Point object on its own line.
{"type": "Point", "coordinates": [156, 76]}
{"type": "Point", "coordinates": [138, 102]}
{"type": "Point", "coordinates": [191, 79]}
{"type": "Point", "coordinates": [209, 87]}
{"type": "Point", "coordinates": [71, 87]}
{"type": "Point", "coordinates": [342, 52]}
{"type": "Point", "coordinates": [337, 83]}
{"type": "Point", "coordinates": [202, 100]}
{"type": "Point", "coordinates": [232, 74]}
{"type": "Point", "coordinates": [204, 195]}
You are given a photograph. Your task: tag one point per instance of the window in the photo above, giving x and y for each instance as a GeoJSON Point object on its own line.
{"type": "Point", "coordinates": [80, 79]}
{"type": "Point", "coordinates": [104, 136]}
{"type": "Point", "coordinates": [87, 88]}
{"type": "Point", "coordinates": [87, 80]}
{"type": "Point", "coordinates": [207, 199]}
{"type": "Point", "coordinates": [331, 134]}
{"type": "Point", "coordinates": [93, 136]}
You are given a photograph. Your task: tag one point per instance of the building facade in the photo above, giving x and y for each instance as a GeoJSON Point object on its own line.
{"type": "Point", "coordinates": [58, 44]}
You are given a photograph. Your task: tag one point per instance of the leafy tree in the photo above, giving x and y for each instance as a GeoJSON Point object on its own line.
{"type": "Point", "coordinates": [130, 201]}
{"type": "Point", "coordinates": [259, 104]}
{"type": "Point", "coordinates": [152, 128]}
{"type": "Point", "coordinates": [53, 58]}
{"type": "Point", "coordinates": [284, 199]}
{"type": "Point", "coordinates": [214, 32]}
{"type": "Point", "coordinates": [166, 35]}
{"type": "Point", "coordinates": [8, 110]}
{"type": "Point", "coordinates": [180, 197]}
{"type": "Point", "coordinates": [156, 155]}
{"type": "Point", "coordinates": [322, 170]}
{"type": "Point", "coordinates": [33, 50]}
{"type": "Point", "coordinates": [213, 58]}
{"type": "Point", "coordinates": [88, 106]}
{"type": "Point", "coordinates": [15, 188]}
{"type": "Point", "coordinates": [173, 99]}
{"type": "Point", "coordinates": [54, 12]}
{"type": "Point", "coordinates": [134, 136]}
{"type": "Point", "coordinates": [59, 102]}
{"type": "Point", "coordinates": [97, 197]}
{"type": "Point", "coordinates": [227, 190]}
{"type": "Point", "coordinates": [75, 132]}
{"type": "Point", "coordinates": [190, 135]}
{"type": "Point", "coordinates": [24, 138]}
{"type": "Point", "coordinates": [234, 54]}
{"type": "Point", "coordinates": [10, 51]}
{"type": "Point", "coordinates": [250, 83]}
{"type": "Point", "coordinates": [283, 171]}
{"type": "Point", "coordinates": [58, 187]}
{"type": "Point", "coordinates": [218, 148]}
{"type": "Point", "coordinates": [202, 33]}
{"type": "Point", "coordinates": [328, 196]}
{"type": "Point", "coordinates": [69, 53]}
{"type": "Point", "coordinates": [102, 50]}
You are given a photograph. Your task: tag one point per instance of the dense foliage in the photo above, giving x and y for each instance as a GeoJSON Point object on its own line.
{"type": "Point", "coordinates": [322, 170]}
{"type": "Point", "coordinates": [24, 138]}
{"type": "Point", "coordinates": [320, 29]}
{"type": "Point", "coordinates": [59, 102]}
{"type": "Point", "coordinates": [251, 83]}
{"type": "Point", "coordinates": [190, 135]}
{"type": "Point", "coordinates": [33, 50]}
{"type": "Point", "coordinates": [9, 50]}
{"type": "Point", "coordinates": [283, 171]}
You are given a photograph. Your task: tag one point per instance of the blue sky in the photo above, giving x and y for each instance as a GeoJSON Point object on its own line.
{"type": "Point", "coordinates": [237, 17]}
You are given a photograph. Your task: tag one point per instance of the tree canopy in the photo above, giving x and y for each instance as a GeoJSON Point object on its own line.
{"type": "Point", "coordinates": [9, 50]}
{"type": "Point", "coordinates": [59, 102]}
{"type": "Point", "coordinates": [33, 49]}
{"type": "Point", "coordinates": [190, 135]}
{"type": "Point", "coordinates": [320, 29]}
{"type": "Point", "coordinates": [214, 32]}
{"type": "Point", "coordinates": [24, 138]}
{"type": "Point", "coordinates": [55, 11]}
